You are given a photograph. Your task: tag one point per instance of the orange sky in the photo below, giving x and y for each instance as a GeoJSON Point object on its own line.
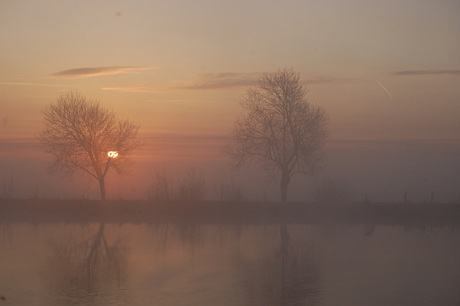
{"type": "Point", "coordinates": [388, 74]}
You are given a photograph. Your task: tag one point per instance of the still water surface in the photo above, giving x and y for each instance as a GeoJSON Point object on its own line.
{"type": "Point", "coordinates": [190, 264]}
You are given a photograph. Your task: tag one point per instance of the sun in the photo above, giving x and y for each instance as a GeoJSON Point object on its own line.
{"type": "Point", "coordinates": [112, 154]}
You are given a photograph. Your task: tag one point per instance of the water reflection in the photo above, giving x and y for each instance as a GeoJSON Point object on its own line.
{"type": "Point", "coordinates": [193, 235]}
{"type": "Point", "coordinates": [81, 263]}
{"type": "Point", "coordinates": [280, 274]}
{"type": "Point", "coordinates": [7, 233]}
{"type": "Point", "coordinates": [216, 264]}
{"type": "Point", "coordinates": [188, 234]}
{"type": "Point", "coordinates": [285, 274]}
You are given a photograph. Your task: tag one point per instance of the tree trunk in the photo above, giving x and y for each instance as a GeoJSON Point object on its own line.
{"type": "Point", "coordinates": [102, 188]}
{"type": "Point", "coordinates": [284, 185]}
{"type": "Point", "coordinates": [284, 235]}
{"type": "Point", "coordinates": [92, 256]}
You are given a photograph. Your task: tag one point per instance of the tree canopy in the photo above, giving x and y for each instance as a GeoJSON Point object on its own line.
{"type": "Point", "coordinates": [279, 128]}
{"type": "Point", "coordinates": [79, 134]}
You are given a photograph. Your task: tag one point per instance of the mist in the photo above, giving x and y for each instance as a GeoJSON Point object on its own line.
{"type": "Point", "coordinates": [384, 171]}
{"type": "Point", "coordinates": [352, 107]}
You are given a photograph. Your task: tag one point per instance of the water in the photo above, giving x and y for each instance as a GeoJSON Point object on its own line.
{"type": "Point", "coordinates": [193, 264]}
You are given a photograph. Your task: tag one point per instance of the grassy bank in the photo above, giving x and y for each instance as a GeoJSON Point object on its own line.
{"type": "Point", "coordinates": [408, 214]}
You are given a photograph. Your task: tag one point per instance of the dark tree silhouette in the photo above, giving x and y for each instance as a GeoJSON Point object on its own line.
{"type": "Point", "coordinates": [279, 128]}
{"type": "Point", "coordinates": [79, 134]}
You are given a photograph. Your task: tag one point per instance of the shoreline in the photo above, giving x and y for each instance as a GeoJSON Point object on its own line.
{"type": "Point", "coordinates": [245, 212]}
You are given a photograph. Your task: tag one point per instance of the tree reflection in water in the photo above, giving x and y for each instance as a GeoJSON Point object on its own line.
{"type": "Point", "coordinates": [282, 272]}
{"type": "Point", "coordinates": [192, 235]}
{"type": "Point", "coordinates": [269, 266]}
{"type": "Point", "coordinates": [81, 266]}
{"type": "Point", "coordinates": [285, 274]}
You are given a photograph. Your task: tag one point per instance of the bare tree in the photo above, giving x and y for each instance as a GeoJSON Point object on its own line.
{"type": "Point", "coordinates": [82, 137]}
{"type": "Point", "coordinates": [279, 128]}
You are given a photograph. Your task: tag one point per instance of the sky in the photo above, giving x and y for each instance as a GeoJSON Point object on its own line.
{"type": "Point", "coordinates": [386, 72]}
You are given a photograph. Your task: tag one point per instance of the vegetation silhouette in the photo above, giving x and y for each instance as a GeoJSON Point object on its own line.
{"type": "Point", "coordinates": [82, 137]}
{"type": "Point", "coordinates": [192, 188]}
{"type": "Point", "coordinates": [279, 128]}
{"type": "Point", "coordinates": [189, 189]}
{"type": "Point", "coordinates": [229, 189]}
{"type": "Point", "coordinates": [161, 187]}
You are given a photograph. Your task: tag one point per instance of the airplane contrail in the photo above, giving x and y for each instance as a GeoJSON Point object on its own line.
{"type": "Point", "coordinates": [389, 93]}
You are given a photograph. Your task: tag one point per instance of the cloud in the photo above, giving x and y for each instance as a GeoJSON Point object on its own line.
{"type": "Point", "coordinates": [200, 82]}
{"type": "Point", "coordinates": [140, 89]}
{"type": "Point", "coordinates": [232, 80]}
{"type": "Point", "coordinates": [171, 146]}
{"type": "Point", "coordinates": [96, 71]}
{"type": "Point", "coordinates": [210, 81]}
{"type": "Point", "coordinates": [21, 147]}
{"type": "Point", "coordinates": [425, 72]}
{"type": "Point", "coordinates": [222, 81]}
{"type": "Point", "coordinates": [185, 137]}
{"type": "Point", "coordinates": [401, 143]}
{"type": "Point", "coordinates": [29, 84]}
{"type": "Point", "coordinates": [326, 80]}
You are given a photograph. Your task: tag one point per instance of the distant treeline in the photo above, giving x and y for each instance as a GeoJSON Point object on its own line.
{"type": "Point", "coordinates": [211, 212]}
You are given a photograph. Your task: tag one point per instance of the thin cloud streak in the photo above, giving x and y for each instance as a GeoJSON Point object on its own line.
{"type": "Point", "coordinates": [223, 81]}
{"type": "Point", "coordinates": [211, 81]}
{"type": "Point", "coordinates": [327, 80]}
{"type": "Point", "coordinates": [184, 137]}
{"type": "Point", "coordinates": [183, 146]}
{"type": "Point", "coordinates": [387, 143]}
{"type": "Point", "coordinates": [29, 84]}
{"type": "Point", "coordinates": [97, 71]}
{"type": "Point", "coordinates": [202, 82]}
{"type": "Point", "coordinates": [141, 89]}
{"type": "Point", "coordinates": [389, 93]}
{"type": "Point", "coordinates": [20, 147]}
{"type": "Point", "coordinates": [425, 72]}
